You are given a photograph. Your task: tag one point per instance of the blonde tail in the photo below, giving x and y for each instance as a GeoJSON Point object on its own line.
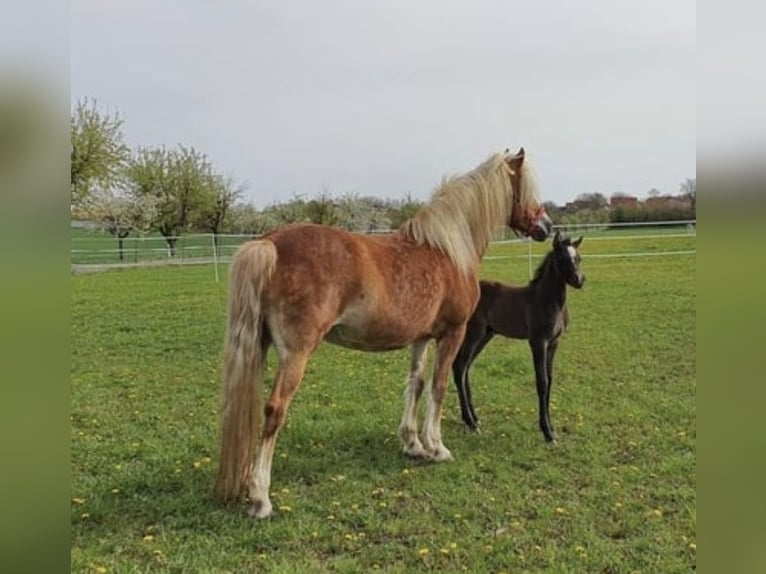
{"type": "Point", "coordinates": [244, 354]}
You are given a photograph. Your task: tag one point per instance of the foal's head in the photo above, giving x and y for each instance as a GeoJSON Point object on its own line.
{"type": "Point", "coordinates": [566, 260]}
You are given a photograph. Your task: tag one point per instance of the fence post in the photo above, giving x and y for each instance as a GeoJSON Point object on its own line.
{"type": "Point", "coordinates": [529, 257]}
{"type": "Point", "coordinates": [215, 257]}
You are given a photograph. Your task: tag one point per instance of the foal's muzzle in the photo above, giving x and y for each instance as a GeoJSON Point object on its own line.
{"type": "Point", "coordinates": [579, 281]}
{"type": "Point", "coordinates": [541, 229]}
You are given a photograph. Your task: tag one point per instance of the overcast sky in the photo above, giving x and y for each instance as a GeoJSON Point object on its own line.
{"type": "Point", "coordinates": [384, 98]}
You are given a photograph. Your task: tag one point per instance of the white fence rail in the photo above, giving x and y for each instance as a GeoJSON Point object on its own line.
{"type": "Point", "coordinates": [96, 252]}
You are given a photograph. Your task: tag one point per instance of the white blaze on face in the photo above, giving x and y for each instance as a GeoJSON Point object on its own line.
{"type": "Point", "coordinates": [573, 254]}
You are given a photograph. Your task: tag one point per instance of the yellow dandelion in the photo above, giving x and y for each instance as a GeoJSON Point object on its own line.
{"type": "Point", "coordinates": [285, 508]}
{"type": "Point", "coordinates": [444, 550]}
{"type": "Point", "coordinates": [148, 538]}
{"type": "Point", "coordinates": [656, 512]}
{"type": "Point", "coordinates": [354, 507]}
{"type": "Point", "coordinates": [618, 504]}
{"type": "Point", "coordinates": [560, 510]}
{"type": "Point", "coordinates": [157, 552]}
{"type": "Point", "coordinates": [330, 517]}
{"type": "Point", "coordinates": [348, 537]}
{"type": "Point", "coordinates": [424, 551]}
{"type": "Point", "coordinates": [405, 471]}
{"type": "Point", "coordinates": [488, 548]}
{"type": "Point", "coordinates": [382, 504]}
{"type": "Point", "coordinates": [78, 500]}
{"type": "Point", "coordinates": [197, 464]}
{"type": "Point", "coordinates": [84, 515]}
{"type": "Point", "coordinates": [262, 556]}
{"type": "Point", "coordinates": [538, 547]}
{"type": "Point", "coordinates": [376, 566]}
{"type": "Point", "coordinates": [99, 569]}
{"type": "Point", "coordinates": [117, 467]}
{"type": "Point", "coordinates": [692, 547]}
{"type": "Point", "coordinates": [115, 490]}
{"type": "Point", "coordinates": [285, 491]}
{"type": "Point", "coordinates": [453, 545]}
{"type": "Point", "coordinates": [335, 503]}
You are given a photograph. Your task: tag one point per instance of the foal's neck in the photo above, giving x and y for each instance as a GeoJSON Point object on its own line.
{"type": "Point", "coordinates": [551, 286]}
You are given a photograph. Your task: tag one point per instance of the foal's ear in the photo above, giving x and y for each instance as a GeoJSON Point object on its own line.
{"type": "Point", "coordinates": [557, 239]}
{"type": "Point", "coordinates": [577, 242]}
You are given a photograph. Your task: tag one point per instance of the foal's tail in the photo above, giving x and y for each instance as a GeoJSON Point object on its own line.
{"type": "Point", "coordinates": [244, 354]}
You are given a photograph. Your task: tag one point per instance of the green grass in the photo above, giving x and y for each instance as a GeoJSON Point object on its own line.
{"type": "Point", "coordinates": [616, 494]}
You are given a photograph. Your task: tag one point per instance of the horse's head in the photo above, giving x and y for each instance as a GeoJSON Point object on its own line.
{"type": "Point", "coordinates": [567, 260]}
{"type": "Point", "coordinates": [528, 214]}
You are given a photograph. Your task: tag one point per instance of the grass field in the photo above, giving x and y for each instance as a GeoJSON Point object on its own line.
{"type": "Point", "coordinates": [617, 494]}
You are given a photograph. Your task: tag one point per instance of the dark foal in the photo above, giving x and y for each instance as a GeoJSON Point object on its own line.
{"type": "Point", "coordinates": [537, 313]}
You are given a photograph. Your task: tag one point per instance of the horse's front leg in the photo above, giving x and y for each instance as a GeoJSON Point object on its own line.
{"type": "Point", "coordinates": [539, 356]}
{"type": "Point", "coordinates": [446, 349]}
{"type": "Point", "coordinates": [552, 346]}
{"type": "Point", "coordinates": [408, 429]}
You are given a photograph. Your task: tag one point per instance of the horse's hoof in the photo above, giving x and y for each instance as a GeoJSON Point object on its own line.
{"type": "Point", "coordinates": [440, 454]}
{"type": "Point", "coordinates": [414, 450]}
{"type": "Point", "coordinates": [260, 509]}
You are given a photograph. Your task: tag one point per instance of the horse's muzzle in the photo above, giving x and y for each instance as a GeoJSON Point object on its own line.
{"type": "Point", "coordinates": [541, 229]}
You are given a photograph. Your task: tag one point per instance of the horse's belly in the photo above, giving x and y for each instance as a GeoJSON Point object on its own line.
{"type": "Point", "coordinates": [347, 336]}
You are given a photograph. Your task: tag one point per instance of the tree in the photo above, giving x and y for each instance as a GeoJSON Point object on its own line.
{"type": "Point", "coordinates": [182, 184]}
{"type": "Point", "coordinates": [119, 211]}
{"type": "Point", "coordinates": [654, 192]}
{"type": "Point", "coordinates": [216, 215]}
{"type": "Point", "coordinates": [98, 153]}
{"type": "Point", "coordinates": [689, 190]}
{"type": "Point", "coordinates": [591, 201]}
{"type": "Point", "coordinates": [401, 211]}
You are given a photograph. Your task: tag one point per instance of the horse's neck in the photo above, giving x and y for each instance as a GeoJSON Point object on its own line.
{"type": "Point", "coordinates": [552, 288]}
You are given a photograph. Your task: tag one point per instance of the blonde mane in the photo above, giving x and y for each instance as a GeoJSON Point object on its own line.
{"type": "Point", "coordinates": [467, 211]}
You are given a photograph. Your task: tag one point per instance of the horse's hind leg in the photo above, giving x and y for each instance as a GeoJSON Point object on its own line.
{"type": "Point", "coordinates": [446, 349]}
{"type": "Point", "coordinates": [476, 345]}
{"type": "Point", "coordinates": [460, 367]}
{"type": "Point", "coordinates": [291, 368]}
{"type": "Point", "coordinates": [408, 429]}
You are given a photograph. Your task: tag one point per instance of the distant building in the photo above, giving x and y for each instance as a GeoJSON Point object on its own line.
{"type": "Point", "coordinates": [622, 201]}
{"type": "Point", "coordinates": [668, 201]}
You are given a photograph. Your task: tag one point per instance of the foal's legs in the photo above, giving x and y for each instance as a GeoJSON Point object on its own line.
{"type": "Point", "coordinates": [291, 368]}
{"type": "Point", "coordinates": [476, 338]}
{"type": "Point", "coordinates": [552, 346]}
{"type": "Point", "coordinates": [408, 429]}
{"type": "Point", "coordinates": [539, 355]}
{"type": "Point", "coordinates": [446, 349]}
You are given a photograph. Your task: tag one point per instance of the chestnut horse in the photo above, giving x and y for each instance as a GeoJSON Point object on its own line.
{"type": "Point", "coordinates": [302, 284]}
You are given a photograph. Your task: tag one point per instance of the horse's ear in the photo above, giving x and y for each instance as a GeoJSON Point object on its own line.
{"type": "Point", "coordinates": [577, 242]}
{"type": "Point", "coordinates": [515, 161]}
{"type": "Point", "coordinates": [557, 239]}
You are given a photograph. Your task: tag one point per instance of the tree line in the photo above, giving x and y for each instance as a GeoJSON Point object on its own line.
{"type": "Point", "coordinates": [172, 191]}
{"type": "Point", "coordinates": [179, 190]}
